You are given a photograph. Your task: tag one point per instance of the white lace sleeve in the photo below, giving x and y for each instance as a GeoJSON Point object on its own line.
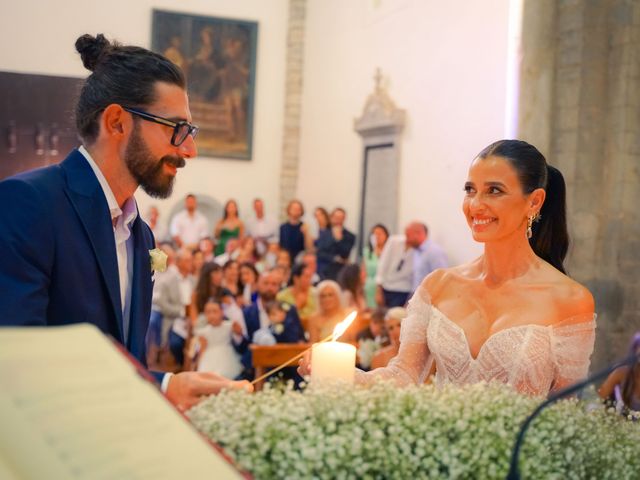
{"type": "Point", "coordinates": [411, 364]}
{"type": "Point", "coordinates": [572, 344]}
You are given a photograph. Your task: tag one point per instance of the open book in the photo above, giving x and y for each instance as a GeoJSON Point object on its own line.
{"type": "Point", "coordinates": [72, 406]}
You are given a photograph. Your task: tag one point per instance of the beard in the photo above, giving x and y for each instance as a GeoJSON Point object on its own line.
{"type": "Point", "coordinates": [146, 170]}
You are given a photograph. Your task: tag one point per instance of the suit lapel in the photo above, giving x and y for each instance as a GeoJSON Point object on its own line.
{"type": "Point", "coordinates": [89, 202]}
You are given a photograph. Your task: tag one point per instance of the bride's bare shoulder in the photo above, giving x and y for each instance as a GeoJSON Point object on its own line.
{"type": "Point", "coordinates": [441, 278]}
{"type": "Point", "coordinates": [573, 300]}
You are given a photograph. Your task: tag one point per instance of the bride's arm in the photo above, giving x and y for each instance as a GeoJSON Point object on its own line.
{"type": "Point", "coordinates": [411, 365]}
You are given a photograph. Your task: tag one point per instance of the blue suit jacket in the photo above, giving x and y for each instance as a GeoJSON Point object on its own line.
{"type": "Point", "coordinates": [292, 333]}
{"type": "Point", "coordinates": [59, 263]}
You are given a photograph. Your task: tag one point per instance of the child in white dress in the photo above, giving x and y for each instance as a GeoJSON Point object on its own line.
{"type": "Point", "coordinates": [218, 354]}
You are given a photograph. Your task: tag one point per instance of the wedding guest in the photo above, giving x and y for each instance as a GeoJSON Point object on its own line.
{"type": "Point", "coordinates": [331, 311]}
{"type": "Point", "coordinates": [255, 317]}
{"type": "Point", "coordinates": [206, 247]}
{"type": "Point", "coordinates": [281, 329]}
{"type": "Point", "coordinates": [262, 227]}
{"type": "Point", "coordinates": [512, 315]}
{"type": "Point", "coordinates": [209, 285]}
{"type": "Point", "coordinates": [231, 277]}
{"type": "Point", "coordinates": [216, 351]}
{"type": "Point", "coordinates": [232, 252]}
{"type": "Point", "coordinates": [351, 282]}
{"type": "Point", "coordinates": [229, 226]}
{"type": "Point", "coordinates": [248, 283]}
{"type": "Point", "coordinates": [159, 229]}
{"type": "Point", "coordinates": [173, 301]}
{"type": "Point", "coordinates": [621, 389]}
{"type": "Point", "coordinates": [322, 221]}
{"type": "Point", "coordinates": [334, 246]}
{"type": "Point", "coordinates": [394, 276]}
{"type": "Point", "coordinates": [247, 251]}
{"type": "Point", "coordinates": [300, 293]}
{"type": "Point", "coordinates": [198, 262]}
{"type": "Point", "coordinates": [392, 321]}
{"type": "Point", "coordinates": [294, 233]}
{"type": "Point", "coordinates": [375, 243]}
{"type": "Point", "coordinates": [427, 255]}
{"type": "Point", "coordinates": [311, 261]}
{"type": "Point", "coordinates": [189, 226]}
{"type": "Point", "coordinates": [284, 262]}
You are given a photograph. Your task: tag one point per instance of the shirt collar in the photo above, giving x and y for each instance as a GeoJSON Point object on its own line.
{"type": "Point", "coordinates": [423, 245]}
{"type": "Point", "coordinates": [130, 208]}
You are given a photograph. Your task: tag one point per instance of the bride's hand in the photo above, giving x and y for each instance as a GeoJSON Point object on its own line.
{"type": "Point", "coordinates": [304, 364]}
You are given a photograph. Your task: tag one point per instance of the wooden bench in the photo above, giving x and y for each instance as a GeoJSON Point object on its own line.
{"type": "Point", "coordinates": [265, 357]}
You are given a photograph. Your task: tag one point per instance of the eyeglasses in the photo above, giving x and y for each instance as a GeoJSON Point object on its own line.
{"type": "Point", "coordinates": [181, 129]}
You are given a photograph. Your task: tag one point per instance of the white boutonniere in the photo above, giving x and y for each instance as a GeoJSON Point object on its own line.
{"type": "Point", "coordinates": [278, 328]}
{"type": "Point", "coordinates": [158, 260]}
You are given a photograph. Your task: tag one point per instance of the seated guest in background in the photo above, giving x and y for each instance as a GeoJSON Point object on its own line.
{"type": "Point", "coordinates": [159, 230]}
{"type": "Point", "coordinates": [351, 282]}
{"type": "Point", "coordinates": [334, 246]}
{"type": "Point", "coordinates": [300, 293]}
{"type": "Point", "coordinates": [262, 227]}
{"type": "Point", "coordinates": [247, 251]}
{"type": "Point", "coordinates": [209, 285]}
{"type": "Point", "coordinates": [282, 276]}
{"type": "Point", "coordinates": [392, 321]}
{"type": "Point", "coordinates": [372, 338]}
{"type": "Point", "coordinates": [198, 263]}
{"type": "Point", "coordinates": [621, 389]}
{"type": "Point", "coordinates": [311, 261]}
{"type": "Point", "coordinates": [427, 255]}
{"type": "Point", "coordinates": [231, 277]}
{"type": "Point", "coordinates": [206, 247]}
{"type": "Point", "coordinates": [229, 226]}
{"type": "Point", "coordinates": [375, 243]}
{"type": "Point", "coordinates": [248, 284]}
{"type": "Point", "coordinates": [331, 311]}
{"type": "Point", "coordinates": [294, 233]}
{"type": "Point", "coordinates": [394, 277]}
{"type": "Point", "coordinates": [189, 226]}
{"type": "Point", "coordinates": [283, 328]}
{"type": "Point", "coordinates": [216, 351]}
{"type": "Point", "coordinates": [172, 302]}
{"type": "Point", "coordinates": [323, 221]}
{"type": "Point", "coordinates": [255, 316]}
{"type": "Point", "coordinates": [269, 259]}
{"type": "Point", "coordinates": [156, 340]}
{"type": "Point", "coordinates": [232, 251]}
{"type": "Point", "coordinates": [284, 262]}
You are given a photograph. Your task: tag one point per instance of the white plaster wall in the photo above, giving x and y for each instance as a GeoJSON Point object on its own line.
{"type": "Point", "coordinates": [37, 36]}
{"type": "Point", "coordinates": [447, 66]}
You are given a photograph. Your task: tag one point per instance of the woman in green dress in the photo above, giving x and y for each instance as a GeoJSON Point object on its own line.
{"type": "Point", "coordinates": [229, 226]}
{"type": "Point", "coordinates": [375, 243]}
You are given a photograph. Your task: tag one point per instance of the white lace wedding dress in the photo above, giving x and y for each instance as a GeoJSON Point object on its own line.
{"type": "Point", "coordinates": [534, 359]}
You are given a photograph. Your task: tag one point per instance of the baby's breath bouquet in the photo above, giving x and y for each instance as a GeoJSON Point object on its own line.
{"type": "Point", "coordinates": [340, 431]}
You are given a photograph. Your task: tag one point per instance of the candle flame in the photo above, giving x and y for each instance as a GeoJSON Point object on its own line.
{"type": "Point", "coordinates": [343, 325]}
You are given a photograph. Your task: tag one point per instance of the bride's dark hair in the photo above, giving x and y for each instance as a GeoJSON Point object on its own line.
{"type": "Point", "coordinates": [550, 240]}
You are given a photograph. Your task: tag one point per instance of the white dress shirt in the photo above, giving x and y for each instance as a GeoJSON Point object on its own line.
{"type": "Point", "coordinates": [190, 228]}
{"type": "Point", "coordinates": [395, 266]}
{"type": "Point", "coordinates": [266, 228]}
{"type": "Point", "coordinates": [122, 219]}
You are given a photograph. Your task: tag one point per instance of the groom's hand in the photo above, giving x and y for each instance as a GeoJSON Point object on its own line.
{"type": "Point", "coordinates": [186, 389]}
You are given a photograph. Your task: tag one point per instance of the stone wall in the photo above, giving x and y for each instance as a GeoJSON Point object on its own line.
{"type": "Point", "coordinates": [579, 103]}
{"type": "Point", "coordinates": [293, 103]}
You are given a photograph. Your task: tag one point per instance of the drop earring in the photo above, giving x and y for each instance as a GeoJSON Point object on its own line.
{"type": "Point", "coordinates": [529, 225]}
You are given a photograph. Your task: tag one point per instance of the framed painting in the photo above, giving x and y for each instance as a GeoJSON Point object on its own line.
{"type": "Point", "coordinates": [218, 57]}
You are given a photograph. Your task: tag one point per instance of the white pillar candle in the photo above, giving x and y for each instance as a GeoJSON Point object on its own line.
{"type": "Point", "coordinates": [333, 360]}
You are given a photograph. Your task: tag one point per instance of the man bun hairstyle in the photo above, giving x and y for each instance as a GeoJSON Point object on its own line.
{"type": "Point", "coordinates": [121, 74]}
{"type": "Point", "coordinates": [550, 239]}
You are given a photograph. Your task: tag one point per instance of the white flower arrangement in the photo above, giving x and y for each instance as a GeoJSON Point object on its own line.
{"type": "Point", "coordinates": [339, 431]}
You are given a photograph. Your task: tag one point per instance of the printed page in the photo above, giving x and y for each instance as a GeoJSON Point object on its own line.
{"type": "Point", "coordinates": [71, 406]}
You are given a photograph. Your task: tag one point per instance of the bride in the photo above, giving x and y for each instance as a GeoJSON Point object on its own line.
{"type": "Point", "coordinates": [512, 315]}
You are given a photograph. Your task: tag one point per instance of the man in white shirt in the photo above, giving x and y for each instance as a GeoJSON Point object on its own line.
{"type": "Point", "coordinates": [404, 262]}
{"type": "Point", "coordinates": [394, 277]}
{"type": "Point", "coordinates": [264, 228]}
{"type": "Point", "coordinates": [189, 226]}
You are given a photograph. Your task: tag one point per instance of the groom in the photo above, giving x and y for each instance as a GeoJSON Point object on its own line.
{"type": "Point", "coordinates": [74, 248]}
